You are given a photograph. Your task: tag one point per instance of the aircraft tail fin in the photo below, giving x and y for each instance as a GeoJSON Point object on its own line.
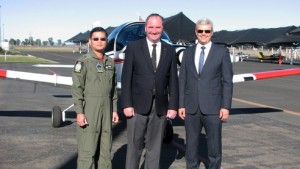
{"type": "Point", "coordinates": [260, 55]}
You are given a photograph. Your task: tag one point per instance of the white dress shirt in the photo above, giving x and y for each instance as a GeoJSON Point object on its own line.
{"type": "Point", "coordinates": [198, 51]}
{"type": "Point", "coordinates": [158, 50]}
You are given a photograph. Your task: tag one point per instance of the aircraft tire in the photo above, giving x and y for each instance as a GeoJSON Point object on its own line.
{"type": "Point", "coordinates": [168, 136]}
{"type": "Point", "coordinates": [56, 117]}
{"type": "Point", "coordinates": [179, 54]}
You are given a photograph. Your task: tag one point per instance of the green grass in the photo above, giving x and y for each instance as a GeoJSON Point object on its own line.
{"type": "Point", "coordinates": [24, 59]}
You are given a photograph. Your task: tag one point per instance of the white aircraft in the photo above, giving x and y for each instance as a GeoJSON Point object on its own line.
{"type": "Point", "coordinates": [117, 41]}
{"type": "Point", "coordinates": [58, 116]}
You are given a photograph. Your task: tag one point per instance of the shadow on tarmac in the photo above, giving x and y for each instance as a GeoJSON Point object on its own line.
{"type": "Point", "coordinates": [175, 122]}
{"type": "Point", "coordinates": [236, 111]}
{"type": "Point", "coordinates": [42, 114]}
{"type": "Point", "coordinates": [63, 96]}
{"type": "Point", "coordinates": [170, 152]}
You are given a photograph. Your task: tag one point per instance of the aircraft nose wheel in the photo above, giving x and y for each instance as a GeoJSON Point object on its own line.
{"type": "Point", "coordinates": [56, 116]}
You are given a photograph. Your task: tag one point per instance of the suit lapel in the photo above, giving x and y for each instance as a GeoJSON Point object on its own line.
{"type": "Point", "coordinates": [191, 61]}
{"type": "Point", "coordinates": [146, 54]}
{"type": "Point", "coordinates": [209, 58]}
{"type": "Point", "coordinates": [163, 55]}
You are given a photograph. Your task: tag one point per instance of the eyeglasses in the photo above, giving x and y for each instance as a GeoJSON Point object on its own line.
{"type": "Point", "coordinates": [97, 39]}
{"type": "Point", "coordinates": [201, 31]}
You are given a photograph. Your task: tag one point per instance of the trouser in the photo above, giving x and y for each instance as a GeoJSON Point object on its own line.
{"type": "Point", "coordinates": [152, 126]}
{"type": "Point", "coordinates": [213, 128]}
{"type": "Point", "coordinates": [94, 141]}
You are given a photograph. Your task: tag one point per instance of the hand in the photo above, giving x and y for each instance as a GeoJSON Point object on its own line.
{"type": "Point", "coordinates": [171, 114]}
{"type": "Point", "coordinates": [81, 119]}
{"type": "Point", "coordinates": [129, 111]}
{"type": "Point", "coordinates": [224, 114]}
{"type": "Point", "coordinates": [181, 113]}
{"type": "Point", "coordinates": [115, 117]}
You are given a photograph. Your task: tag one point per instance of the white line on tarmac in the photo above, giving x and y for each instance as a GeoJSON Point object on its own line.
{"type": "Point", "coordinates": [263, 105]}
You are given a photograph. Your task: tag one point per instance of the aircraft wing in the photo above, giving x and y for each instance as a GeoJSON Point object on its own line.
{"type": "Point", "coordinates": [67, 81]}
{"type": "Point", "coordinates": [268, 58]}
{"type": "Point", "coordinates": [265, 75]}
{"type": "Point", "coordinates": [37, 77]}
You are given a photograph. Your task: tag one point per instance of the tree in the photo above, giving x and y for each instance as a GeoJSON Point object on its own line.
{"type": "Point", "coordinates": [18, 42]}
{"type": "Point", "coordinates": [31, 41]}
{"type": "Point", "coordinates": [26, 42]}
{"type": "Point", "coordinates": [38, 42]}
{"type": "Point", "coordinates": [45, 43]}
{"type": "Point", "coordinates": [50, 40]}
{"type": "Point", "coordinates": [12, 42]}
{"type": "Point", "coordinates": [59, 42]}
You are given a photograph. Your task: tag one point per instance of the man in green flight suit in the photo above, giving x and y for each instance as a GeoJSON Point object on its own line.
{"type": "Point", "coordinates": [95, 98]}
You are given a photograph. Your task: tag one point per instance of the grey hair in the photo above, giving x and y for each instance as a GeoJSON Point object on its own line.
{"type": "Point", "coordinates": [205, 21]}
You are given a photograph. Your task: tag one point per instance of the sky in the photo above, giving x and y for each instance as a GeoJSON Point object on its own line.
{"type": "Point", "coordinates": [63, 19]}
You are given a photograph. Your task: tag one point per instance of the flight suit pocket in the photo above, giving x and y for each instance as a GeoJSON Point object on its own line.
{"type": "Point", "coordinates": [110, 74]}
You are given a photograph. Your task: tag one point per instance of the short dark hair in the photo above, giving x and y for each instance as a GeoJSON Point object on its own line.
{"type": "Point", "coordinates": [97, 29]}
{"type": "Point", "coordinates": [155, 14]}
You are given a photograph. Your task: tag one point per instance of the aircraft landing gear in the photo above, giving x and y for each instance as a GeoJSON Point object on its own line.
{"type": "Point", "coordinates": [58, 116]}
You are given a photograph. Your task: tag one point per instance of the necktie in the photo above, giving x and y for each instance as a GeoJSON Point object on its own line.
{"type": "Point", "coordinates": [201, 60]}
{"type": "Point", "coordinates": [154, 56]}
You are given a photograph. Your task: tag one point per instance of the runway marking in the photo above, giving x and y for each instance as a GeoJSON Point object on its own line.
{"type": "Point", "coordinates": [263, 105]}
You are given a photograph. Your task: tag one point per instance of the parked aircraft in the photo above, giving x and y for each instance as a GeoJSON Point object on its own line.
{"type": "Point", "coordinates": [117, 42]}
{"type": "Point", "coordinates": [58, 116]}
{"type": "Point", "coordinates": [274, 57]}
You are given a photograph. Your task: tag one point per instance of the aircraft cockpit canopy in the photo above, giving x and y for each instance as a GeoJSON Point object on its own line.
{"type": "Point", "coordinates": [126, 33]}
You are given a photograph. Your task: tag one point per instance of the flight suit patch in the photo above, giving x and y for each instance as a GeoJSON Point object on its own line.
{"type": "Point", "coordinates": [78, 66]}
{"type": "Point", "coordinates": [99, 68]}
{"type": "Point", "coordinates": [108, 67]}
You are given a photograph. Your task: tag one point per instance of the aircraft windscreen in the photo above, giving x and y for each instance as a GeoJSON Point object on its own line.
{"type": "Point", "coordinates": [127, 33]}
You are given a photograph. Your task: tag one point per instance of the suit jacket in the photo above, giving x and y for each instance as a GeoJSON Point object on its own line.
{"type": "Point", "coordinates": [212, 89]}
{"type": "Point", "coordinates": [138, 79]}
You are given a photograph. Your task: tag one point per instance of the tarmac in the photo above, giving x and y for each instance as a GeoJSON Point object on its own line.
{"type": "Point", "coordinates": [262, 132]}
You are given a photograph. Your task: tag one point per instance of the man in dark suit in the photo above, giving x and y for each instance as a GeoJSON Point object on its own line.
{"type": "Point", "coordinates": [149, 93]}
{"type": "Point", "coordinates": [205, 95]}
